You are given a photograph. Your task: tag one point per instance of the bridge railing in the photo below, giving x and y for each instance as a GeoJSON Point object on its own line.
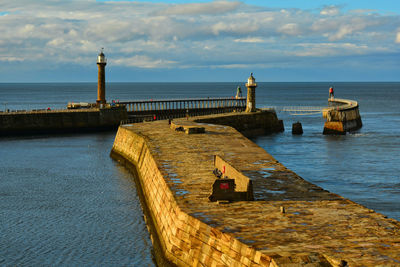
{"type": "Point", "coordinates": [296, 110]}
{"type": "Point", "coordinates": [184, 104]}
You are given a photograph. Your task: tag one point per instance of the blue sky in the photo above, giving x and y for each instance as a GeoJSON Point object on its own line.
{"type": "Point", "coordinates": [287, 40]}
{"type": "Point", "coordinates": [381, 5]}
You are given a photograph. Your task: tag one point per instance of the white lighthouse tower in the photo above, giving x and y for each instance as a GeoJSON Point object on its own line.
{"type": "Point", "coordinates": [251, 94]}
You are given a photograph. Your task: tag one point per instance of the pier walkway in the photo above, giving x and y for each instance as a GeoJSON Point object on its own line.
{"type": "Point", "coordinates": [291, 222]}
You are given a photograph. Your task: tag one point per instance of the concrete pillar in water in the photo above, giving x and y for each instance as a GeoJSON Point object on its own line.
{"type": "Point", "coordinates": [101, 80]}
{"type": "Point", "coordinates": [251, 94]}
{"type": "Point", "coordinates": [297, 128]}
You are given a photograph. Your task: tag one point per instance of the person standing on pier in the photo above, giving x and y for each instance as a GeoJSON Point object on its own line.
{"type": "Point", "coordinates": [239, 92]}
{"type": "Point", "coordinates": [331, 94]}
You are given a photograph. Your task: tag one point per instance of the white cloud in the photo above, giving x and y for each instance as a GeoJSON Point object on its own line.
{"type": "Point", "coordinates": [342, 32]}
{"type": "Point", "coordinates": [289, 29]}
{"type": "Point", "coordinates": [337, 29]}
{"type": "Point", "coordinates": [398, 37]}
{"type": "Point", "coordinates": [215, 7]}
{"type": "Point", "coordinates": [330, 49]}
{"type": "Point", "coordinates": [250, 40]}
{"type": "Point", "coordinates": [232, 66]}
{"type": "Point", "coordinates": [11, 59]}
{"type": "Point", "coordinates": [363, 11]}
{"type": "Point", "coordinates": [143, 62]}
{"type": "Point", "coordinates": [56, 42]}
{"type": "Point", "coordinates": [234, 28]}
{"type": "Point", "coordinates": [27, 29]}
{"type": "Point", "coordinates": [330, 11]}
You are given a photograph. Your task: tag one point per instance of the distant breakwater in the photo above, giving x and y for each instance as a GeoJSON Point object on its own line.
{"type": "Point", "coordinates": [61, 121]}
{"type": "Point", "coordinates": [342, 116]}
{"type": "Point", "coordinates": [90, 118]}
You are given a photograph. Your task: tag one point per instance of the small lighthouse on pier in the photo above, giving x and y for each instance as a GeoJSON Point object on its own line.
{"type": "Point", "coordinates": [251, 94]}
{"type": "Point", "coordinates": [101, 80]}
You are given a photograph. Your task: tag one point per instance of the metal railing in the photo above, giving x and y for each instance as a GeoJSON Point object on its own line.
{"type": "Point", "coordinates": [183, 104]}
{"type": "Point", "coordinates": [297, 110]}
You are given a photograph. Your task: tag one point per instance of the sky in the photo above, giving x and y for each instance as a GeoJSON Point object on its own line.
{"type": "Point", "coordinates": [196, 41]}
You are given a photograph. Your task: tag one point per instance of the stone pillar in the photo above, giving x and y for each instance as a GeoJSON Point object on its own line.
{"type": "Point", "coordinates": [101, 79]}
{"type": "Point", "coordinates": [101, 84]}
{"type": "Point", "coordinates": [297, 128]}
{"type": "Point", "coordinates": [251, 94]}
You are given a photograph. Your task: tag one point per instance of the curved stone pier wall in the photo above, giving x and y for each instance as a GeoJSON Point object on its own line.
{"type": "Point", "coordinates": [291, 222]}
{"type": "Point", "coordinates": [343, 116]}
{"type": "Point", "coordinates": [185, 240]}
{"type": "Point", "coordinates": [249, 124]}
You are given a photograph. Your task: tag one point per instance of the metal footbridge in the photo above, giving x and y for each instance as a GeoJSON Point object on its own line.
{"type": "Point", "coordinates": [156, 109]}
{"type": "Point", "coordinates": [297, 110]}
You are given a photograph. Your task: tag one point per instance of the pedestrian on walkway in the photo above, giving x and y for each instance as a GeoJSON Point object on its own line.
{"type": "Point", "coordinates": [331, 94]}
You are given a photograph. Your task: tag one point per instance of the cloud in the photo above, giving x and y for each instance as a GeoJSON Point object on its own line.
{"type": "Point", "coordinates": [363, 11]}
{"type": "Point", "coordinates": [11, 59]}
{"type": "Point", "coordinates": [289, 29]}
{"type": "Point", "coordinates": [234, 27]}
{"type": "Point", "coordinates": [330, 11]}
{"type": "Point", "coordinates": [215, 7]}
{"type": "Point", "coordinates": [340, 28]}
{"type": "Point", "coordinates": [229, 34]}
{"type": "Point", "coordinates": [143, 62]}
{"type": "Point", "coordinates": [250, 40]}
{"type": "Point", "coordinates": [330, 49]}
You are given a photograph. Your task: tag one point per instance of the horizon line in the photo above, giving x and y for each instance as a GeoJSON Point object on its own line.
{"type": "Point", "coordinates": [205, 82]}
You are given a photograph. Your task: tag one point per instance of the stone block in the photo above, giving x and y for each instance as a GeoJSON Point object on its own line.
{"type": "Point", "coordinates": [257, 257]}
{"type": "Point", "coordinates": [194, 130]}
{"type": "Point", "coordinates": [245, 261]}
{"type": "Point", "coordinates": [334, 127]}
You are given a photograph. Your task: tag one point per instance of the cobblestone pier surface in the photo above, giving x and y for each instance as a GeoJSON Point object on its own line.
{"type": "Point", "coordinates": [291, 222]}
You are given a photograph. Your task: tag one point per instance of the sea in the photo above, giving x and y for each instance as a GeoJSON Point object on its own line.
{"type": "Point", "coordinates": [65, 202]}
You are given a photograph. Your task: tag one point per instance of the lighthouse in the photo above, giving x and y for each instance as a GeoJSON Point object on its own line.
{"type": "Point", "coordinates": [251, 94]}
{"type": "Point", "coordinates": [101, 80]}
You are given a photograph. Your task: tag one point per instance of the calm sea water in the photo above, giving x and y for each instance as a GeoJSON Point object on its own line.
{"type": "Point", "coordinates": [63, 201]}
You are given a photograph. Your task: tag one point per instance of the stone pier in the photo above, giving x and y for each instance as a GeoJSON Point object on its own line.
{"type": "Point", "coordinates": [290, 222]}
{"type": "Point", "coordinates": [61, 121]}
{"type": "Point", "coordinates": [342, 116]}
